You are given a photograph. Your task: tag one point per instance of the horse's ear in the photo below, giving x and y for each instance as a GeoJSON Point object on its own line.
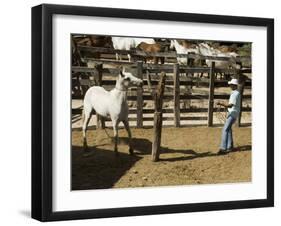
{"type": "Point", "coordinates": [121, 70]}
{"type": "Point", "coordinates": [121, 73]}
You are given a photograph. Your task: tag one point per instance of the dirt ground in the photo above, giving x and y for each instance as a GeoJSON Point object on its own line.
{"type": "Point", "coordinates": [188, 156]}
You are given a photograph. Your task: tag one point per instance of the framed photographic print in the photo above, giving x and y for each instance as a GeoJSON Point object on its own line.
{"type": "Point", "coordinates": [146, 112]}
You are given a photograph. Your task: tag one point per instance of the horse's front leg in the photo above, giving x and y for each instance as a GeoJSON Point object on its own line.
{"type": "Point", "coordinates": [115, 132]}
{"type": "Point", "coordinates": [127, 127]}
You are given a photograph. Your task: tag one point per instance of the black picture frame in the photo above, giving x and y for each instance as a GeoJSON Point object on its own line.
{"type": "Point", "coordinates": [42, 111]}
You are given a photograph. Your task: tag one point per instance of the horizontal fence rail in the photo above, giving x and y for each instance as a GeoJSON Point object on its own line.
{"type": "Point", "coordinates": [202, 83]}
{"type": "Point", "coordinates": [155, 68]}
{"type": "Point", "coordinates": [182, 97]}
{"type": "Point", "coordinates": [171, 54]}
{"type": "Point", "coordinates": [167, 110]}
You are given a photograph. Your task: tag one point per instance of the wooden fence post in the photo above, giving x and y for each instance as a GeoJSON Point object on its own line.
{"type": "Point", "coordinates": [76, 53]}
{"type": "Point", "coordinates": [139, 96]}
{"type": "Point", "coordinates": [211, 95]}
{"type": "Point", "coordinates": [77, 60]}
{"type": "Point", "coordinates": [241, 91]}
{"type": "Point", "coordinates": [99, 120]}
{"type": "Point", "coordinates": [158, 102]}
{"type": "Point", "coordinates": [176, 96]}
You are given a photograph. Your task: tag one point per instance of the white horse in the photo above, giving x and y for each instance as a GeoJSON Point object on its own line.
{"type": "Point", "coordinates": [180, 49]}
{"type": "Point", "coordinates": [207, 50]}
{"type": "Point", "coordinates": [123, 43]}
{"type": "Point", "coordinates": [110, 103]}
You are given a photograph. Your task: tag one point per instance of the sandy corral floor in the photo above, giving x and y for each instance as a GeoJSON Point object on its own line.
{"type": "Point", "coordinates": [188, 156]}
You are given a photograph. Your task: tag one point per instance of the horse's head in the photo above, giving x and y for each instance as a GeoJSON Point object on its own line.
{"type": "Point", "coordinates": [172, 45]}
{"type": "Point", "coordinates": [127, 79]}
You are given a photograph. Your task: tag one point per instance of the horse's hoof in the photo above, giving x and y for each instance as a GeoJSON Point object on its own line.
{"type": "Point", "coordinates": [86, 149]}
{"type": "Point", "coordinates": [131, 151]}
{"type": "Point", "coordinates": [87, 152]}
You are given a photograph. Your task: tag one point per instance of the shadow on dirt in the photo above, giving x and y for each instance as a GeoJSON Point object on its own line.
{"type": "Point", "coordinates": [242, 148]}
{"type": "Point", "coordinates": [194, 155]}
{"type": "Point", "coordinates": [143, 147]}
{"type": "Point", "coordinates": [99, 168]}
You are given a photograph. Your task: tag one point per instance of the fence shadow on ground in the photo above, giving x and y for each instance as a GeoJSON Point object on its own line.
{"type": "Point", "coordinates": [143, 147]}
{"type": "Point", "coordinates": [191, 155]}
{"type": "Point", "coordinates": [194, 155]}
{"type": "Point", "coordinates": [242, 148]}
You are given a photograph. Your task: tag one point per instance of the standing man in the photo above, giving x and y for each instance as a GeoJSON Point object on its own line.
{"type": "Point", "coordinates": [233, 108]}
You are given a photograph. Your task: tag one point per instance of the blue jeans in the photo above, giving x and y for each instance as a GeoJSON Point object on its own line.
{"type": "Point", "coordinates": [227, 138]}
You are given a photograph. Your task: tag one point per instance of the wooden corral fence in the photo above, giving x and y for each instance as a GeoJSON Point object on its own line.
{"type": "Point", "coordinates": [102, 71]}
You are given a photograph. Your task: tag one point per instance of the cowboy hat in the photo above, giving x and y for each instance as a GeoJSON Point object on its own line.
{"type": "Point", "coordinates": [233, 81]}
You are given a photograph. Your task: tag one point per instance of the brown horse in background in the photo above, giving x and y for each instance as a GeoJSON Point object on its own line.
{"type": "Point", "coordinates": [152, 48]}
{"type": "Point", "coordinates": [94, 41]}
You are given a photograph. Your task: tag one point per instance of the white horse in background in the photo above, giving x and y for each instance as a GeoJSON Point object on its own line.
{"type": "Point", "coordinates": [110, 103]}
{"type": "Point", "coordinates": [123, 43]}
{"type": "Point", "coordinates": [207, 50]}
{"type": "Point", "coordinates": [180, 49]}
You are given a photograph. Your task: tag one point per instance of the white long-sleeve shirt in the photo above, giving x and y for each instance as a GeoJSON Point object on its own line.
{"type": "Point", "coordinates": [234, 99]}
